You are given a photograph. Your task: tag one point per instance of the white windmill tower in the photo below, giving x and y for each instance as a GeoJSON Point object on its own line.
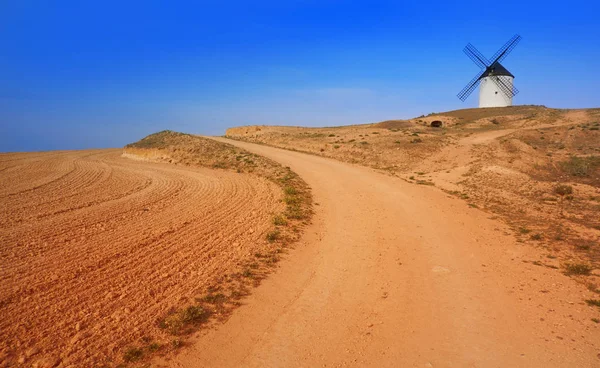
{"type": "Point", "coordinates": [495, 81]}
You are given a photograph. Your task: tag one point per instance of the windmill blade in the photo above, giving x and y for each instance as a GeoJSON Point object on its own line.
{"type": "Point", "coordinates": [476, 56]}
{"type": "Point", "coordinates": [505, 50]}
{"type": "Point", "coordinates": [465, 92]}
{"type": "Point", "coordinates": [505, 90]}
{"type": "Point", "coordinates": [505, 87]}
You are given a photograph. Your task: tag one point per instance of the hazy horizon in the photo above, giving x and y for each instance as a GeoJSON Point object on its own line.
{"type": "Point", "coordinates": [76, 76]}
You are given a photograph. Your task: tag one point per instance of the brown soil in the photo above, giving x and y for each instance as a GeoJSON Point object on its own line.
{"type": "Point", "coordinates": [505, 160]}
{"type": "Point", "coordinates": [99, 250]}
{"type": "Point", "coordinates": [393, 274]}
{"type": "Point", "coordinates": [390, 273]}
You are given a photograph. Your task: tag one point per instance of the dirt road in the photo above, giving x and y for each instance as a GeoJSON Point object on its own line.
{"type": "Point", "coordinates": [393, 274]}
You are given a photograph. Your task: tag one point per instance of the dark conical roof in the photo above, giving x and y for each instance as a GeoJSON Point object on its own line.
{"type": "Point", "coordinates": [496, 69]}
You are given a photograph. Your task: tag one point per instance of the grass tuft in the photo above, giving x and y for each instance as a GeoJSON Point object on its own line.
{"type": "Point", "coordinates": [577, 269]}
{"type": "Point", "coordinates": [563, 189]}
{"type": "Point", "coordinates": [273, 236]}
{"type": "Point", "coordinates": [178, 322]}
{"type": "Point", "coordinates": [580, 166]}
{"type": "Point", "coordinates": [133, 354]}
{"type": "Point", "coordinates": [537, 236]}
{"type": "Point", "coordinates": [279, 220]}
{"type": "Point", "coordinates": [593, 302]}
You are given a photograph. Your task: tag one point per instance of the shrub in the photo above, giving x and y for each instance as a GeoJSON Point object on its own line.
{"type": "Point", "coordinates": [594, 302]}
{"type": "Point", "coordinates": [272, 236]}
{"type": "Point", "coordinates": [537, 236]}
{"type": "Point", "coordinates": [133, 354]}
{"type": "Point", "coordinates": [176, 322]}
{"type": "Point", "coordinates": [524, 230]}
{"type": "Point", "coordinates": [279, 220]}
{"type": "Point", "coordinates": [563, 189]}
{"type": "Point", "coordinates": [580, 166]}
{"type": "Point", "coordinates": [577, 269]}
{"type": "Point", "coordinates": [290, 190]}
{"type": "Point", "coordinates": [154, 347]}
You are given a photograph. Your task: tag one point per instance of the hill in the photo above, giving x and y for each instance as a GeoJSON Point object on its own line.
{"type": "Point", "coordinates": [537, 167]}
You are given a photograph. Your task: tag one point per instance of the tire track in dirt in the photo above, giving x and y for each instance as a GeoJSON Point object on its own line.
{"type": "Point", "coordinates": [91, 258]}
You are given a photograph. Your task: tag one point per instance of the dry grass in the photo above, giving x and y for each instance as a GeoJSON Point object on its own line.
{"type": "Point", "coordinates": [577, 269]}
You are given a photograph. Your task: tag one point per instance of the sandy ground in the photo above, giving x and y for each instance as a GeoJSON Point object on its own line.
{"type": "Point", "coordinates": [96, 247]}
{"type": "Point", "coordinates": [510, 162]}
{"type": "Point", "coordinates": [393, 274]}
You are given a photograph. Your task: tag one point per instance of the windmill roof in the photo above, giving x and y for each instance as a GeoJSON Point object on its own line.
{"type": "Point", "coordinates": [496, 69]}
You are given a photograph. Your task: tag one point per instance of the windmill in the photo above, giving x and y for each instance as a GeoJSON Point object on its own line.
{"type": "Point", "coordinates": [495, 81]}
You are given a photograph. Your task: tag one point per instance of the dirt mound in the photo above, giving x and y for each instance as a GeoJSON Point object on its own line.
{"type": "Point", "coordinates": [394, 124]}
{"type": "Point", "coordinates": [107, 259]}
{"type": "Point", "coordinates": [491, 112]}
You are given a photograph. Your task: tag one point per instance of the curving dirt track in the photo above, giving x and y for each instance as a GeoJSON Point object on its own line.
{"type": "Point", "coordinates": [393, 274]}
{"type": "Point", "coordinates": [95, 247]}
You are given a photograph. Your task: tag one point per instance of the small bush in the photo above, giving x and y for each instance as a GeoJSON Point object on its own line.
{"type": "Point", "coordinates": [580, 166]}
{"type": "Point", "coordinates": [247, 273]}
{"type": "Point", "coordinates": [176, 322]}
{"type": "Point", "coordinates": [272, 236]}
{"type": "Point", "coordinates": [214, 298]}
{"type": "Point", "coordinates": [154, 347]}
{"type": "Point", "coordinates": [279, 220]}
{"type": "Point", "coordinates": [524, 230]}
{"type": "Point", "coordinates": [288, 190]}
{"type": "Point", "coordinates": [594, 302]}
{"type": "Point", "coordinates": [537, 236]}
{"type": "Point", "coordinates": [577, 269]}
{"type": "Point", "coordinates": [294, 212]}
{"type": "Point", "coordinates": [133, 354]}
{"type": "Point", "coordinates": [563, 189]}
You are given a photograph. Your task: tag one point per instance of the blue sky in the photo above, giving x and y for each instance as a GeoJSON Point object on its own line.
{"type": "Point", "coordinates": [83, 74]}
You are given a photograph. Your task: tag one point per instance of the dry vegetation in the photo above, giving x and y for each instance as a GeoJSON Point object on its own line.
{"type": "Point", "coordinates": [536, 167]}
{"type": "Point", "coordinates": [107, 261]}
{"type": "Point", "coordinates": [220, 298]}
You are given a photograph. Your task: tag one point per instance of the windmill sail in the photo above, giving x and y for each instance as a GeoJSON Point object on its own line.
{"type": "Point", "coordinates": [498, 80]}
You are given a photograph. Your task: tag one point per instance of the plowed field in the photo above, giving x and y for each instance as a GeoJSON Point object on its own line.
{"type": "Point", "coordinates": [94, 248]}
